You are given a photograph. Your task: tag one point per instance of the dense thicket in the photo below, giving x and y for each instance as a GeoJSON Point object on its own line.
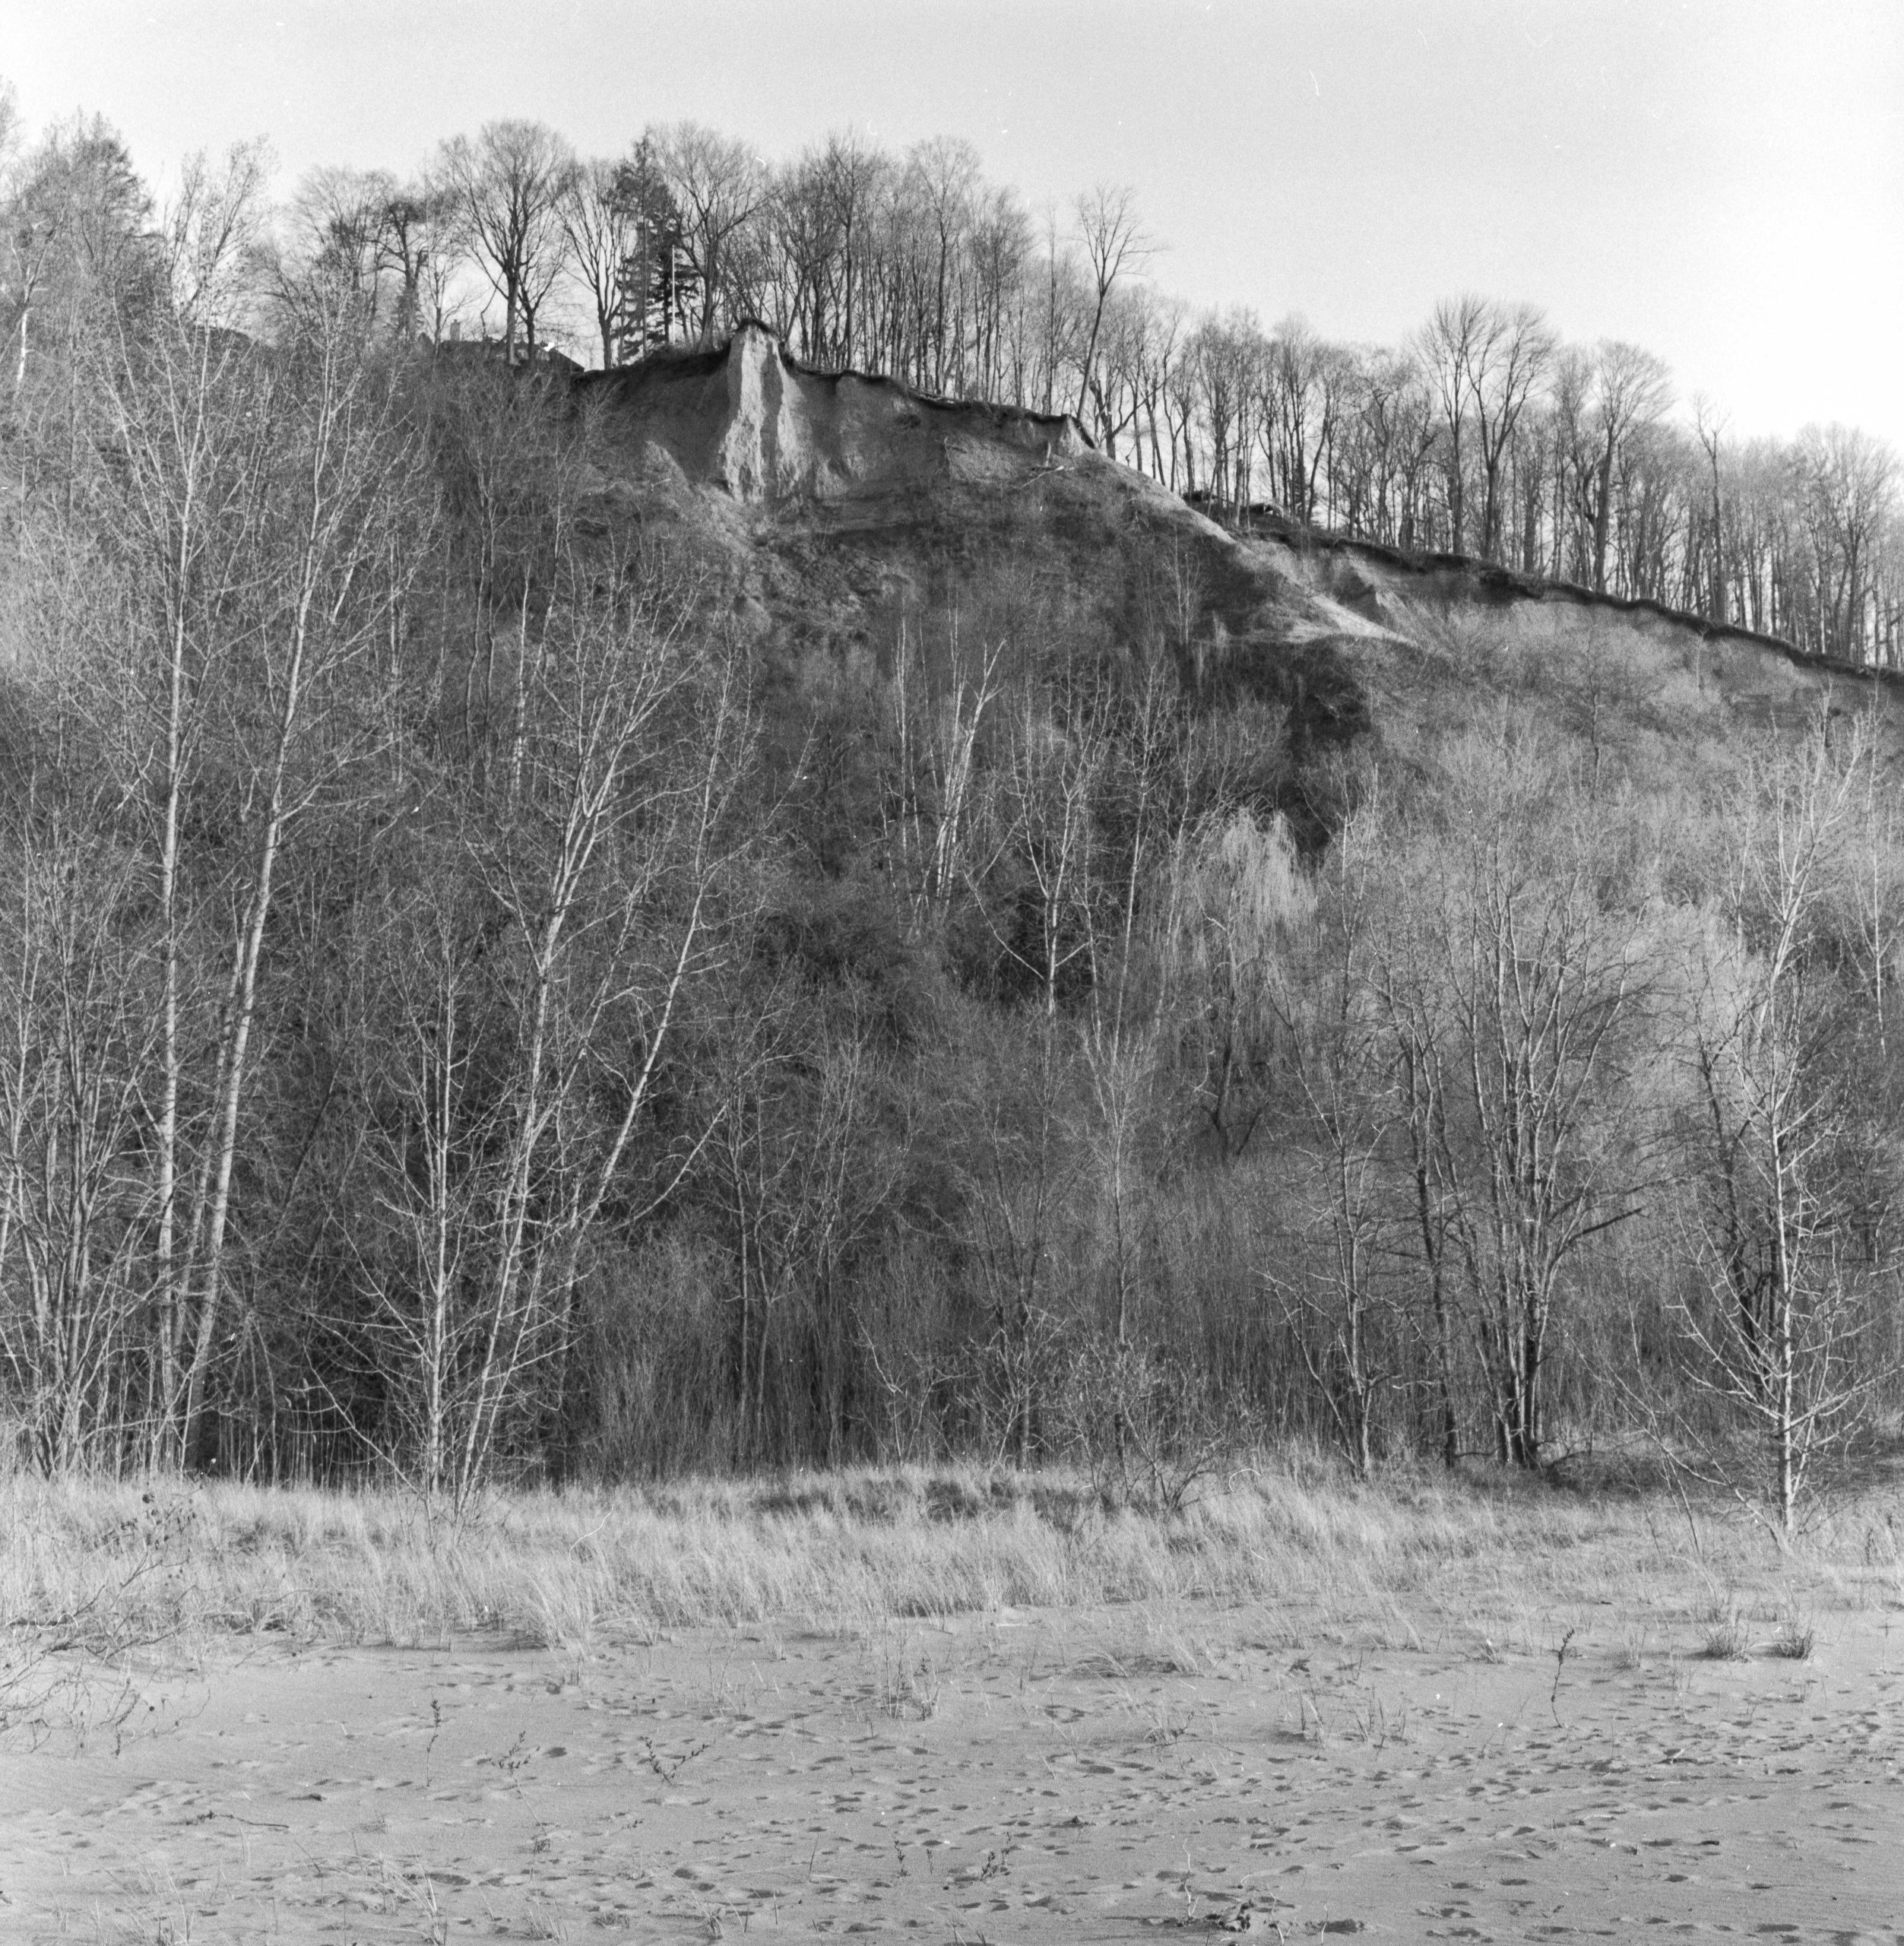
{"type": "Point", "coordinates": [463, 1010]}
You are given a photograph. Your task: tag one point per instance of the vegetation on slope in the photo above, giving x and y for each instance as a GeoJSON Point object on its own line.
{"type": "Point", "coordinates": [513, 967]}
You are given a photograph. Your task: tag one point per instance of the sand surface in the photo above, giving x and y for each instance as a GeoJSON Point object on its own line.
{"type": "Point", "coordinates": [1118, 1775]}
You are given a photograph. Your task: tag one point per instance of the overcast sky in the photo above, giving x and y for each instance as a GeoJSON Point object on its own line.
{"type": "Point", "coordinates": [1722, 181]}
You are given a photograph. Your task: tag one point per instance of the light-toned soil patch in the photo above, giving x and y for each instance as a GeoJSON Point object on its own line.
{"type": "Point", "coordinates": [1110, 1775]}
{"type": "Point", "coordinates": [1302, 1708]}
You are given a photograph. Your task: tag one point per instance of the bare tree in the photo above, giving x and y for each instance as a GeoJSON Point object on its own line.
{"type": "Point", "coordinates": [930, 814]}
{"type": "Point", "coordinates": [600, 222]}
{"type": "Point", "coordinates": [423, 240]}
{"type": "Point", "coordinates": [565, 941]}
{"type": "Point", "coordinates": [511, 184]}
{"type": "Point", "coordinates": [1242, 903]}
{"type": "Point", "coordinates": [801, 1179]}
{"type": "Point", "coordinates": [1792, 1204]}
{"type": "Point", "coordinates": [1447, 346]}
{"type": "Point", "coordinates": [1507, 357]}
{"type": "Point", "coordinates": [1222, 356]}
{"type": "Point", "coordinates": [211, 230]}
{"type": "Point", "coordinates": [852, 172]}
{"type": "Point", "coordinates": [1333, 1292]}
{"type": "Point", "coordinates": [256, 500]}
{"type": "Point", "coordinates": [75, 235]}
{"type": "Point", "coordinates": [1627, 390]}
{"type": "Point", "coordinates": [1035, 890]}
{"type": "Point", "coordinates": [1709, 426]}
{"type": "Point", "coordinates": [337, 223]}
{"type": "Point", "coordinates": [1510, 988]}
{"type": "Point", "coordinates": [1847, 488]}
{"type": "Point", "coordinates": [719, 183]}
{"type": "Point", "coordinates": [1114, 242]}
{"type": "Point", "coordinates": [1059, 302]}
{"type": "Point", "coordinates": [12, 130]}
{"type": "Point", "coordinates": [941, 179]}
{"type": "Point", "coordinates": [76, 1043]}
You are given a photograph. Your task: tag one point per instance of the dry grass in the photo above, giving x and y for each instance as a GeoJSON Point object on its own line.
{"type": "Point", "coordinates": [1726, 1640]}
{"type": "Point", "coordinates": [1797, 1636]}
{"type": "Point", "coordinates": [100, 1565]}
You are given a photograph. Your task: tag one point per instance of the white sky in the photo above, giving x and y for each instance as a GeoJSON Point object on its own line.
{"type": "Point", "coordinates": [1722, 181]}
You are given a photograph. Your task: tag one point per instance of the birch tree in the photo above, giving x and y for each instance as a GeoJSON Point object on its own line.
{"type": "Point", "coordinates": [1791, 1199]}
{"type": "Point", "coordinates": [533, 1017]}
{"type": "Point", "coordinates": [256, 500]}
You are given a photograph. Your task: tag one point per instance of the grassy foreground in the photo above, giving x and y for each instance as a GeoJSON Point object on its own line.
{"type": "Point", "coordinates": [104, 1565]}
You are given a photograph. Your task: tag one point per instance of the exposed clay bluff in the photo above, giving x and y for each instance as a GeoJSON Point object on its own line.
{"type": "Point", "coordinates": [748, 418]}
{"type": "Point", "coordinates": [825, 496]}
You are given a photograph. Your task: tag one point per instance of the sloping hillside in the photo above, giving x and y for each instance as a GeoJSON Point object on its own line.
{"type": "Point", "coordinates": [794, 921]}
{"type": "Point", "coordinates": [828, 500]}
{"type": "Point", "coordinates": [1764, 679]}
{"type": "Point", "coordinates": [826, 504]}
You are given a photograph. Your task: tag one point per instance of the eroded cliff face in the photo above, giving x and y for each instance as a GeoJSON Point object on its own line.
{"type": "Point", "coordinates": [821, 503]}
{"type": "Point", "coordinates": [749, 420]}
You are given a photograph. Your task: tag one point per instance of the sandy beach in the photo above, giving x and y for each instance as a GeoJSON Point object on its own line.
{"type": "Point", "coordinates": [1027, 1776]}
